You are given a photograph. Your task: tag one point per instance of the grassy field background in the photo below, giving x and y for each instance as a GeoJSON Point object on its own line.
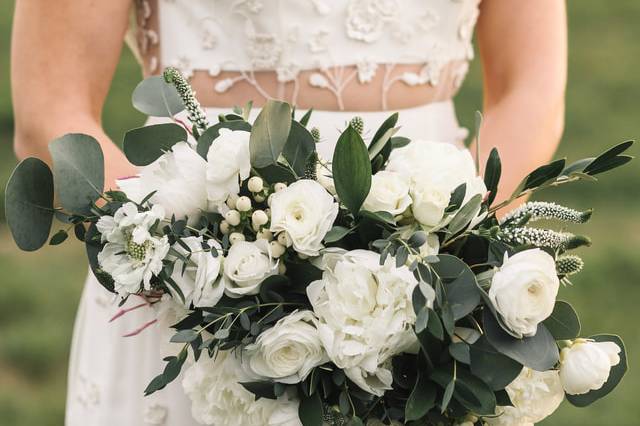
{"type": "Point", "coordinates": [39, 292]}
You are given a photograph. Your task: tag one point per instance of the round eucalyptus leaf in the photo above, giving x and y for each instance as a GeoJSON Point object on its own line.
{"type": "Point", "coordinates": [563, 323]}
{"type": "Point", "coordinates": [495, 369]}
{"type": "Point", "coordinates": [460, 284]}
{"type": "Point", "coordinates": [538, 352]}
{"type": "Point", "coordinates": [78, 171]}
{"type": "Point", "coordinates": [29, 204]}
{"type": "Point", "coordinates": [144, 145]}
{"type": "Point", "coordinates": [615, 375]}
{"type": "Point", "coordinates": [155, 97]}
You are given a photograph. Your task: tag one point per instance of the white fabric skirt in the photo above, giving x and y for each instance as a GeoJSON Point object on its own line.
{"type": "Point", "coordinates": [108, 372]}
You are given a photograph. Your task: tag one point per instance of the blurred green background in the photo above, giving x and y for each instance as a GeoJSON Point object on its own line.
{"type": "Point", "coordinates": [39, 291]}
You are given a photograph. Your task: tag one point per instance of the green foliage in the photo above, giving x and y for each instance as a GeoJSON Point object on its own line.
{"type": "Point", "coordinates": [270, 133]}
{"type": "Point", "coordinates": [144, 145]}
{"type": "Point", "coordinates": [351, 170]}
{"type": "Point", "coordinates": [206, 139]}
{"type": "Point", "coordinates": [563, 324]}
{"type": "Point", "coordinates": [29, 204]}
{"type": "Point", "coordinates": [299, 147]}
{"type": "Point", "coordinates": [155, 97]}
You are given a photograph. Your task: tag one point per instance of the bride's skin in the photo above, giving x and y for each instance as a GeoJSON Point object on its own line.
{"type": "Point", "coordinates": [64, 54]}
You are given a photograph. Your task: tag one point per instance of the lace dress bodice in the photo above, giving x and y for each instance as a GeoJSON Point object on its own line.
{"type": "Point", "coordinates": [293, 36]}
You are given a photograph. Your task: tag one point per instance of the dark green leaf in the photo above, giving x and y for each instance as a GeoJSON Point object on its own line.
{"type": "Point", "coordinates": [421, 399]}
{"type": "Point", "coordinates": [299, 147]}
{"type": "Point", "coordinates": [460, 352]}
{"type": "Point", "coordinates": [474, 394]}
{"type": "Point", "coordinates": [538, 352]}
{"type": "Point", "coordinates": [58, 238]}
{"type": "Point", "coordinates": [457, 197]}
{"type": "Point", "coordinates": [184, 336]}
{"type": "Point", "coordinates": [563, 323]}
{"type": "Point", "coordinates": [492, 173]}
{"type": "Point", "coordinates": [269, 134]}
{"type": "Point", "coordinates": [29, 203]}
{"type": "Point", "coordinates": [94, 247]}
{"type": "Point", "coordinates": [465, 215]}
{"type": "Point", "coordinates": [399, 142]}
{"type": "Point", "coordinates": [384, 128]}
{"type": "Point", "coordinates": [262, 389]}
{"type": "Point", "coordinates": [544, 174]}
{"type": "Point", "coordinates": [211, 134]}
{"type": "Point", "coordinates": [459, 283]}
{"type": "Point", "coordinates": [609, 159]}
{"type": "Point", "coordinates": [351, 169]}
{"type": "Point", "coordinates": [382, 217]}
{"type": "Point", "coordinates": [154, 96]}
{"type": "Point", "coordinates": [310, 410]}
{"type": "Point", "coordinates": [305, 118]}
{"type": "Point", "coordinates": [78, 171]}
{"type": "Point", "coordinates": [156, 384]}
{"type": "Point", "coordinates": [144, 145]}
{"type": "Point", "coordinates": [448, 393]}
{"type": "Point", "coordinates": [492, 367]}
{"type": "Point", "coordinates": [336, 234]}
{"type": "Point", "coordinates": [615, 375]}
{"type": "Point", "coordinates": [422, 319]}
{"type": "Point", "coordinates": [276, 173]}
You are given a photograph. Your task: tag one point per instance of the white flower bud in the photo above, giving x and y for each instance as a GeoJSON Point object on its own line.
{"type": "Point", "coordinates": [233, 217]}
{"type": "Point", "coordinates": [279, 186]}
{"type": "Point", "coordinates": [277, 249]}
{"type": "Point", "coordinates": [284, 239]}
{"type": "Point", "coordinates": [231, 201]}
{"type": "Point", "coordinates": [224, 227]}
{"type": "Point", "coordinates": [236, 237]}
{"type": "Point", "coordinates": [259, 218]}
{"type": "Point", "coordinates": [255, 184]}
{"type": "Point", "coordinates": [243, 204]}
{"type": "Point", "coordinates": [265, 234]}
{"type": "Point", "coordinates": [585, 365]}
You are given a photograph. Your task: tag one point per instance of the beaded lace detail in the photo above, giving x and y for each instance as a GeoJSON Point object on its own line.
{"type": "Point", "coordinates": [343, 41]}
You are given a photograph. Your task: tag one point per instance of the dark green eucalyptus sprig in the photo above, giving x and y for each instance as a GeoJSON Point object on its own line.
{"type": "Point", "coordinates": [195, 112]}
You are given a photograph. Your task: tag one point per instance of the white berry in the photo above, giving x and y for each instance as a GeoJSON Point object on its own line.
{"type": "Point", "coordinates": [243, 204]}
{"type": "Point", "coordinates": [224, 227]}
{"type": "Point", "coordinates": [284, 239]}
{"type": "Point", "coordinates": [265, 234]}
{"type": "Point", "coordinates": [279, 186]}
{"type": "Point", "coordinates": [255, 184]}
{"type": "Point", "coordinates": [236, 237]}
{"type": "Point", "coordinates": [259, 218]}
{"type": "Point", "coordinates": [231, 201]}
{"type": "Point", "coordinates": [233, 217]}
{"type": "Point", "coordinates": [277, 249]}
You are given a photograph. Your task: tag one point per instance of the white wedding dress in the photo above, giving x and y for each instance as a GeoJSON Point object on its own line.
{"type": "Point", "coordinates": [108, 372]}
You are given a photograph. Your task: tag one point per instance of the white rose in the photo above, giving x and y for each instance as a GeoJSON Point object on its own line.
{"type": "Point", "coordinates": [524, 289]}
{"type": "Point", "coordinates": [535, 395]}
{"type": "Point", "coordinates": [435, 170]}
{"type": "Point", "coordinates": [199, 281]}
{"type": "Point", "coordinates": [228, 162]}
{"type": "Point", "coordinates": [247, 264]}
{"type": "Point", "coordinates": [585, 365]}
{"type": "Point", "coordinates": [218, 398]}
{"type": "Point", "coordinates": [288, 351]}
{"type": "Point", "coordinates": [178, 177]}
{"type": "Point", "coordinates": [365, 314]}
{"type": "Point", "coordinates": [131, 255]}
{"type": "Point", "coordinates": [389, 193]}
{"type": "Point", "coordinates": [305, 211]}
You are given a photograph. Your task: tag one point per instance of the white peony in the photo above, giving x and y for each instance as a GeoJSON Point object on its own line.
{"type": "Point", "coordinates": [288, 351]}
{"type": "Point", "coordinates": [535, 395]}
{"type": "Point", "coordinates": [524, 289]}
{"type": "Point", "coordinates": [434, 171]}
{"type": "Point", "coordinates": [178, 177]}
{"type": "Point", "coordinates": [585, 365]}
{"type": "Point", "coordinates": [218, 398]}
{"type": "Point", "coordinates": [200, 280]}
{"type": "Point", "coordinates": [131, 255]}
{"type": "Point", "coordinates": [305, 211]}
{"type": "Point", "coordinates": [228, 162]}
{"type": "Point", "coordinates": [247, 264]}
{"type": "Point", "coordinates": [365, 314]}
{"type": "Point", "coordinates": [389, 193]}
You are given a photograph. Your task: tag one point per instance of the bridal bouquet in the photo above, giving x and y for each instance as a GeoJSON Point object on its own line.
{"type": "Point", "coordinates": [376, 288]}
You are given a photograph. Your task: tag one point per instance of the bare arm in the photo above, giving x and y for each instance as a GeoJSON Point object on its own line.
{"type": "Point", "coordinates": [523, 45]}
{"type": "Point", "coordinates": [64, 54]}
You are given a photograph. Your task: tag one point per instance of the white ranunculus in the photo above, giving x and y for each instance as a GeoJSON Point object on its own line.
{"type": "Point", "coordinates": [434, 171]}
{"type": "Point", "coordinates": [247, 264]}
{"type": "Point", "coordinates": [535, 395]}
{"type": "Point", "coordinates": [131, 255]}
{"type": "Point", "coordinates": [524, 289]}
{"type": "Point", "coordinates": [228, 162]}
{"type": "Point", "coordinates": [585, 365]}
{"type": "Point", "coordinates": [218, 398]}
{"type": "Point", "coordinates": [200, 280]}
{"type": "Point", "coordinates": [389, 193]}
{"type": "Point", "coordinates": [288, 351]}
{"type": "Point", "coordinates": [305, 211]}
{"type": "Point", "coordinates": [178, 177]}
{"type": "Point", "coordinates": [365, 314]}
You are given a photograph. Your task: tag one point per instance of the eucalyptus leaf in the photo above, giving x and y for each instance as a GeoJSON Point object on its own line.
{"type": "Point", "coordinates": [144, 145]}
{"type": "Point", "coordinates": [78, 171]}
{"type": "Point", "coordinates": [494, 368]}
{"type": "Point", "coordinates": [421, 399]}
{"type": "Point", "coordinates": [299, 147]}
{"type": "Point", "coordinates": [538, 352]}
{"type": "Point", "coordinates": [563, 323]}
{"type": "Point", "coordinates": [351, 169]}
{"type": "Point", "coordinates": [211, 134]}
{"type": "Point", "coordinates": [459, 283]}
{"type": "Point", "coordinates": [29, 204]}
{"type": "Point", "coordinates": [270, 133]}
{"type": "Point", "coordinates": [336, 234]}
{"type": "Point", "coordinates": [615, 375]}
{"type": "Point", "coordinates": [155, 97]}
